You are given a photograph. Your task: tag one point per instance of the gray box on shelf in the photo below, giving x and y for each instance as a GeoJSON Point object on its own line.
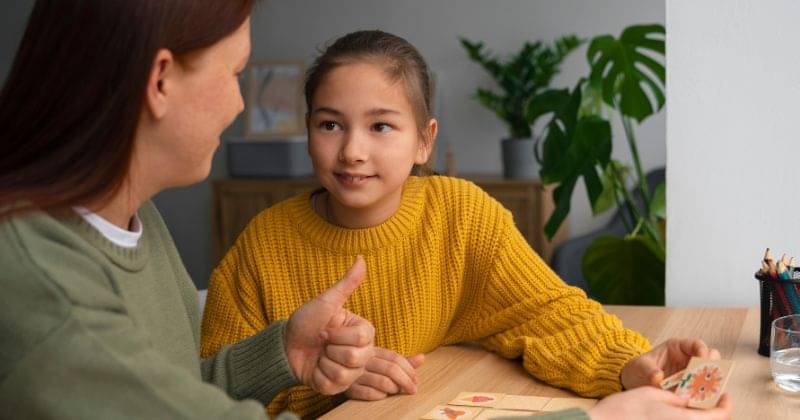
{"type": "Point", "coordinates": [273, 158]}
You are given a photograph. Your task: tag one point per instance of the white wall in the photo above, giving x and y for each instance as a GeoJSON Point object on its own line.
{"type": "Point", "coordinates": [732, 145]}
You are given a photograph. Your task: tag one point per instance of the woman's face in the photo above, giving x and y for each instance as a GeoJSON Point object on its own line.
{"type": "Point", "coordinates": [195, 100]}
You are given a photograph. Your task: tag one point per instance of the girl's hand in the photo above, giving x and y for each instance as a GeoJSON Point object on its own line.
{"type": "Point", "coordinates": [328, 346]}
{"type": "Point", "coordinates": [656, 404]}
{"type": "Point", "coordinates": [667, 358]}
{"type": "Point", "coordinates": [387, 373]}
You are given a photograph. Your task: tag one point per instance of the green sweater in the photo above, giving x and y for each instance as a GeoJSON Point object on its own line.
{"type": "Point", "coordinates": [89, 329]}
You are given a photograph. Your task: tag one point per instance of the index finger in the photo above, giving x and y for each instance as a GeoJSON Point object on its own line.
{"type": "Point", "coordinates": [357, 335]}
{"type": "Point", "coordinates": [399, 360]}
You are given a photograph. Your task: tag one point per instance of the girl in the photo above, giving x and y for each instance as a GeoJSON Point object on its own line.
{"type": "Point", "coordinates": [446, 263]}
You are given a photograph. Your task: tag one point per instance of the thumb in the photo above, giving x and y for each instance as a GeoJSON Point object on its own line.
{"type": "Point", "coordinates": [656, 376]}
{"type": "Point", "coordinates": [337, 294]}
{"type": "Point", "coordinates": [672, 398]}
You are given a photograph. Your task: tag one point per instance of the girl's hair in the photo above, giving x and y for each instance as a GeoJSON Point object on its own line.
{"type": "Point", "coordinates": [403, 63]}
{"type": "Point", "coordinates": [70, 106]}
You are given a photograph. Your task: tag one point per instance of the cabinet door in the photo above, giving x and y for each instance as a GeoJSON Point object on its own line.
{"type": "Point", "coordinates": [236, 202]}
{"type": "Point", "coordinates": [520, 200]}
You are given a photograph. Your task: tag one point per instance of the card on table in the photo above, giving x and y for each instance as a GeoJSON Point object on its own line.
{"type": "Point", "coordinates": [673, 380]}
{"type": "Point", "coordinates": [491, 413]}
{"type": "Point", "coordinates": [477, 399]}
{"type": "Point", "coordinates": [704, 381]}
{"type": "Point", "coordinates": [522, 402]}
{"type": "Point", "coordinates": [449, 412]}
{"type": "Point", "coordinates": [557, 404]}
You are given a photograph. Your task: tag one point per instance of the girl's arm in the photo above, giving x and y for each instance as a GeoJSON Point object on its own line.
{"type": "Point", "coordinates": [518, 307]}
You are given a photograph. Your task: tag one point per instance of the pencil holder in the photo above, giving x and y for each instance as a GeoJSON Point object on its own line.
{"type": "Point", "coordinates": [778, 298]}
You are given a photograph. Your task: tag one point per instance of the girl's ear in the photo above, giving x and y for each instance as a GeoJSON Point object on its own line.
{"type": "Point", "coordinates": [426, 145]}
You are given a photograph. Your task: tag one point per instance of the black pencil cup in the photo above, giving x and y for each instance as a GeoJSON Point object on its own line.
{"type": "Point", "coordinates": [778, 298]}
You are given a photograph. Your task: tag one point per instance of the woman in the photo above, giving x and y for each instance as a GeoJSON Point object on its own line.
{"type": "Point", "coordinates": [107, 104]}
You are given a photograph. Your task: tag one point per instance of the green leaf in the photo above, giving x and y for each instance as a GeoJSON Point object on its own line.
{"type": "Point", "coordinates": [492, 101]}
{"type": "Point", "coordinates": [549, 101]}
{"type": "Point", "coordinates": [658, 205]}
{"type": "Point", "coordinates": [562, 196]}
{"type": "Point", "coordinates": [574, 148]}
{"type": "Point", "coordinates": [556, 161]}
{"type": "Point", "coordinates": [607, 199]}
{"type": "Point", "coordinates": [616, 64]}
{"type": "Point", "coordinates": [589, 148]}
{"type": "Point", "coordinates": [625, 271]}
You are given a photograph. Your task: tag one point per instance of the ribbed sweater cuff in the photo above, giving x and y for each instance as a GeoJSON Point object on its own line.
{"type": "Point", "coordinates": [260, 369]}
{"type": "Point", "coordinates": [626, 346]}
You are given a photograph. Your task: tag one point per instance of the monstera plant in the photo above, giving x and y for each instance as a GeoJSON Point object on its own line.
{"type": "Point", "coordinates": [626, 81]}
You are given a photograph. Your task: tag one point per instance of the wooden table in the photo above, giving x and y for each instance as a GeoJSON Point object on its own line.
{"type": "Point", "coordinates": [450, 370]}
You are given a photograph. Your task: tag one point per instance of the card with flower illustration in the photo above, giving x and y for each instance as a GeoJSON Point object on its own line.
{"type": "Point", "coordinates": [704, 382]}
{"type": "Point", "coordinates": [673, 380]}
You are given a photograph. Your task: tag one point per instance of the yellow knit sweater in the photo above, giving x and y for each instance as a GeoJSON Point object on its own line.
{"type": "Point", "coordinates": [448, 267]}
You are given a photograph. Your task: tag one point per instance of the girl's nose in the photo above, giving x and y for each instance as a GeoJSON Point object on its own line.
{"type": "Point", "coordinates": [354, 149]}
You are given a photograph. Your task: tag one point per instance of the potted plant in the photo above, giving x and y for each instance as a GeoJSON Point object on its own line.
{"type": "Point", "coordinates": [578, 145]}
{"type": "Point", "coordinates": [523, 95]}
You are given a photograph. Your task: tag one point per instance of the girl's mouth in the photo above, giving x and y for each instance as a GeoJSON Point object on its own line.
{"type": "Point", "coordinates": [353, 180]}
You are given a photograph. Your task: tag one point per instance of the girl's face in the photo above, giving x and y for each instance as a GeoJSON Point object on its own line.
{"type": "Point", "coordinates": [364, 140]}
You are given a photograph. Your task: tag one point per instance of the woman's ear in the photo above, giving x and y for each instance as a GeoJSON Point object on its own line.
{"type": "Point", "coordinates": [160, 83]}
{"type": "Point", "coordinates": [426, 146]}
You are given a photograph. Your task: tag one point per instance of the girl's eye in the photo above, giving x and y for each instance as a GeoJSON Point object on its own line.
{"type": "Point", "coordinates": [329, 125]}
{"type": "Point", "coordinates": [381, 127]}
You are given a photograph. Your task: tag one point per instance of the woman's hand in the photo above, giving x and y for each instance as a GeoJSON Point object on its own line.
{"type": "Point", "coordinates": [667, 358]}
{"type": "Point", "coordinates": [328, 346]}
{"type": "Point", "coordinates": [656, 404]}
{"type": "Point", "coordinates": [387, 373]}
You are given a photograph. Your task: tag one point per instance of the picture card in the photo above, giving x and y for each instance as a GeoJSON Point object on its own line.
{"type": "Point", "coordinates": [704, 382]}
{"type": "Point", "coordinates": [491, 413]}
{"type": "Point", "coordinates": [522, 402]}
{"type": "Point", "coordinates": [448, 412]}
{"type": "Point", "coordinates": [477, 399]}
{"type": "Point", "coordinates": [673, 380]}
{"type": "Point", "coordinates": [557, 404]}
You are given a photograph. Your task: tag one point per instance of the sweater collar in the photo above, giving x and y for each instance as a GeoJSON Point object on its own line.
{"type": "Point", "coordinates": [360, 241]}
{"type": "Point", "coordinates": [131, 259]}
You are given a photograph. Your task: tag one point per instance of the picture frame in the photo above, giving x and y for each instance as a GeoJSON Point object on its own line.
{"type": "Point", "coordinates": [274, 105]}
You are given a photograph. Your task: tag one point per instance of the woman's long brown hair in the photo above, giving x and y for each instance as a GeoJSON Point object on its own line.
{"type": "Point", "coordinates": [71, 103]}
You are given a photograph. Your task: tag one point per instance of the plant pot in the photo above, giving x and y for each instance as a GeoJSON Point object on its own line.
{"type": "Point", "coordinates": [518, 159]}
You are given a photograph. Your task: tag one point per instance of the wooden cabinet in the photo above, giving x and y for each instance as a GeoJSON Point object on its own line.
{"type": "Point", "coordinates": [236, 201]}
